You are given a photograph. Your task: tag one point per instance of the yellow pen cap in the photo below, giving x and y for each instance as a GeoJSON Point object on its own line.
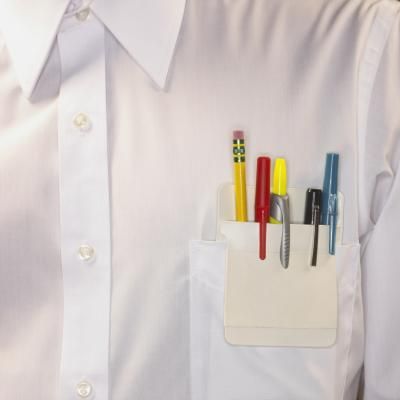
{"type": "Point", "coordinates": [279, 185]}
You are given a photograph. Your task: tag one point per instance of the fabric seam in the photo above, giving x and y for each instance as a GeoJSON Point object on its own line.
{"type": "Point", "coordinates": [378, 34]}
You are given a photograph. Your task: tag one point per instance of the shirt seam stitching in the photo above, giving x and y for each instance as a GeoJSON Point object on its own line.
{"type": "Point", "coordinates": [383, 22]}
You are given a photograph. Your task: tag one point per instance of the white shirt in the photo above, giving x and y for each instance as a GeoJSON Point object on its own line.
{"type": "Point", "coordinates": [115, 134]}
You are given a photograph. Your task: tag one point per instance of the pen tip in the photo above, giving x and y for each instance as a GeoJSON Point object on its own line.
{"type": "Point", "coordinates": [238, 135]}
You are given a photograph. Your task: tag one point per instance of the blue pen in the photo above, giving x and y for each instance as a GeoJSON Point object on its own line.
{"type": "Point", "coordinates": [329, 198]}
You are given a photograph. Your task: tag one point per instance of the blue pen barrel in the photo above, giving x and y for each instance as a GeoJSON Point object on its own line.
{"type": "Point", "coordinates": [329, 197]}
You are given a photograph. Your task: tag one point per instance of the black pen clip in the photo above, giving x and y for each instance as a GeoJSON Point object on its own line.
{"type": "Point", "coordinates": [316, 216]}
{"type": "Point", "coordinates": [312, 216]}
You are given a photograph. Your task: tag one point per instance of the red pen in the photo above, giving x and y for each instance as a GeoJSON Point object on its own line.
{"type": "Point", "coordinates": [262, 200]}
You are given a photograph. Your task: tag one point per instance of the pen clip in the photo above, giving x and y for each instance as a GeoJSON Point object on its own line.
{"type": "Point", "coordinates": [262, 200]}
{"type": "Point", "coordinates": [280, 211]}
{"type": "Point", "coordinates": [263, 236]}
{"type": "Point", "coordinates": [316, 217]}
{"type": "Point", "coordinates": [332, 204]}
{"type": "Point", "coordinates": [312, 216]}
{"type": "Point", "coordinates": [332, 214]}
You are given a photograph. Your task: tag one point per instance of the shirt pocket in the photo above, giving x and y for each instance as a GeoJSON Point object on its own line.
{"type": "Point", "coordinates": [222, 371]}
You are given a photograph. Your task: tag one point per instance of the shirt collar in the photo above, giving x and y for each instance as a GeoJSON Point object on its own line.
{"type": "Point", "coordinates": [147, 29]}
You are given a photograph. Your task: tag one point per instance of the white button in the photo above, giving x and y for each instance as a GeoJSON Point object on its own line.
{"type": "Point", "coordinates": [83, 14]}
{"type": "Point", "coordinates": [84, 389]}
{"type": "Point", "coordinates": [82, 122]}
{"type": "Point", "coordinates": [86, 252]}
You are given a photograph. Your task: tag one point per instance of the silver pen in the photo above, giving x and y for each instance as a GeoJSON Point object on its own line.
{"type": "Point", "coordinates": [279, 209]}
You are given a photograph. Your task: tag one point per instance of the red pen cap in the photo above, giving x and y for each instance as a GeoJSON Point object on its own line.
{"type": "Point", "coordinates": [262, 198]}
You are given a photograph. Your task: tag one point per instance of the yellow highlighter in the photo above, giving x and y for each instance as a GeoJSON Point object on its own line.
{"type": "Point", "coordinates": [279, 183]}
{"type": "Point", "coordinates": [239, 165]}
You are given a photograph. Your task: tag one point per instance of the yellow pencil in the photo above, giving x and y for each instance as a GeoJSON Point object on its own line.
{"type": "Point", "coordinates": [239, 165]}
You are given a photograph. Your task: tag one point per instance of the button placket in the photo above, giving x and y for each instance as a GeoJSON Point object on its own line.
{"type": "Point", "coordinates": [85, 214]}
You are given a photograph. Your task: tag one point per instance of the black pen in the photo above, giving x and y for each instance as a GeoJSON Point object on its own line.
{"type": "Point", "coordinates": [312, 216]}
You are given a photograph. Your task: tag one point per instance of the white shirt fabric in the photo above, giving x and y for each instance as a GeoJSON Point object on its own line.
{"type": "Point", "coordinates": [115, 134]}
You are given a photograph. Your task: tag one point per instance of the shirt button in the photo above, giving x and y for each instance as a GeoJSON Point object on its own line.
{"type": "Point", "coordinates": [86, 252]}
{"type": "Point", "coordinates": [83, 14]}
{"type": "Point", "coordinates": [84, 389]}
{"type": "Point", "coordinates": [82, 122]}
